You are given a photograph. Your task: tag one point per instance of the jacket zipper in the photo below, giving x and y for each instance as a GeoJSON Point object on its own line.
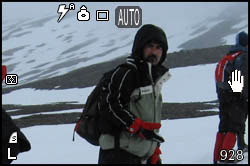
{"type": "Point", "coordinates": [153, 86]}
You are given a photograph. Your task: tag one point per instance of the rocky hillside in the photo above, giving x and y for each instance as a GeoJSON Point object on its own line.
{"type": "Point", "coordinates": [89, 76]}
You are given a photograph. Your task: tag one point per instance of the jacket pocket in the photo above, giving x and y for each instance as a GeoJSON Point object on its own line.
{"type": "Point", "coordinates": [134, 144]}
{"type": "Point", "coordinates": [125, 140]}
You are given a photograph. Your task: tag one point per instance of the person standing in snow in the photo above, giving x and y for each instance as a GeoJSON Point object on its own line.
{"type": "Point", "coordinates": [233, 106]}
{"type": "Point", "coordinates": [8, 127]}
{"type": "Point", "coordinates": [133, 111]}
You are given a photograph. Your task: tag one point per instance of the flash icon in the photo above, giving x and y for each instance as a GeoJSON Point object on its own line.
{"type": "Point", "coordinates": [62, 10]}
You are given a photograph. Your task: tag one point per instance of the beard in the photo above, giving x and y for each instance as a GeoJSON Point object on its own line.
{"type": "Point", "coordinates": [151, 58]}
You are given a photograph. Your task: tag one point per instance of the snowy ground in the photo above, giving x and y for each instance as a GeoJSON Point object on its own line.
{"type": "Point", "coordinates": [188, 141]}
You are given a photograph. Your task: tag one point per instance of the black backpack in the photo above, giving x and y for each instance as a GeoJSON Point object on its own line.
{"type": "Point", "coordinates": [87, 126]}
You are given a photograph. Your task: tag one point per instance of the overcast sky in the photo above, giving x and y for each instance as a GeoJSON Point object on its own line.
{"type": "Point", "coordinates": [18, 10]}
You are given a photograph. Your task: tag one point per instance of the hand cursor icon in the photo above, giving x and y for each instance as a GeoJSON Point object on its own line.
{"type": "Point", "coordinates": [237, 83]}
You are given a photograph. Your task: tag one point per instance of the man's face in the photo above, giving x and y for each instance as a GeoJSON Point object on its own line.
{"type": "Point", "coordinates": [152, 53]}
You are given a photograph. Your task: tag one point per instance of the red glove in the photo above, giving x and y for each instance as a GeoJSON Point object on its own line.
{"type": "Point", "coordinates": [145, 130]}
{"type": "Point", "coordinates": [156, 156]}
{"type": "Point", "coordinates": [138, 123]}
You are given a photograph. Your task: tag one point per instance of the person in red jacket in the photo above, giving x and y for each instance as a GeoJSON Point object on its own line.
{"type": "Point", "coordinates": [232, 105]}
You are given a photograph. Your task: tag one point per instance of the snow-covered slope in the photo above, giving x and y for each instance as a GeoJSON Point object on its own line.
{"type": "Point", "coordinates": [36, 46]}
{"type": "Point", "coordinates": [188, 141]}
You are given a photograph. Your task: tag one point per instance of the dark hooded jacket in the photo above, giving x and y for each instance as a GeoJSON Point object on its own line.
{"type": "Point", "coordinates": [126, 85]}
{"type": "Point", "coordinates": [239, 63]}
{"type": "Point", "coordinates": [233, 106]}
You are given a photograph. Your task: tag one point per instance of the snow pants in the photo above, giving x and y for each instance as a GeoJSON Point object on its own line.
{"type": "Point", "coordinates": [233, 114]}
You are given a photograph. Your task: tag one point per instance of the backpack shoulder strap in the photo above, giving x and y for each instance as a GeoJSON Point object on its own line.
{"type": "Point", "coordinates": [232, 56]}
{"type": "Point", "coordinates": [222, 66]}
{"type": "Point", "coordinates": [231, 61]}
